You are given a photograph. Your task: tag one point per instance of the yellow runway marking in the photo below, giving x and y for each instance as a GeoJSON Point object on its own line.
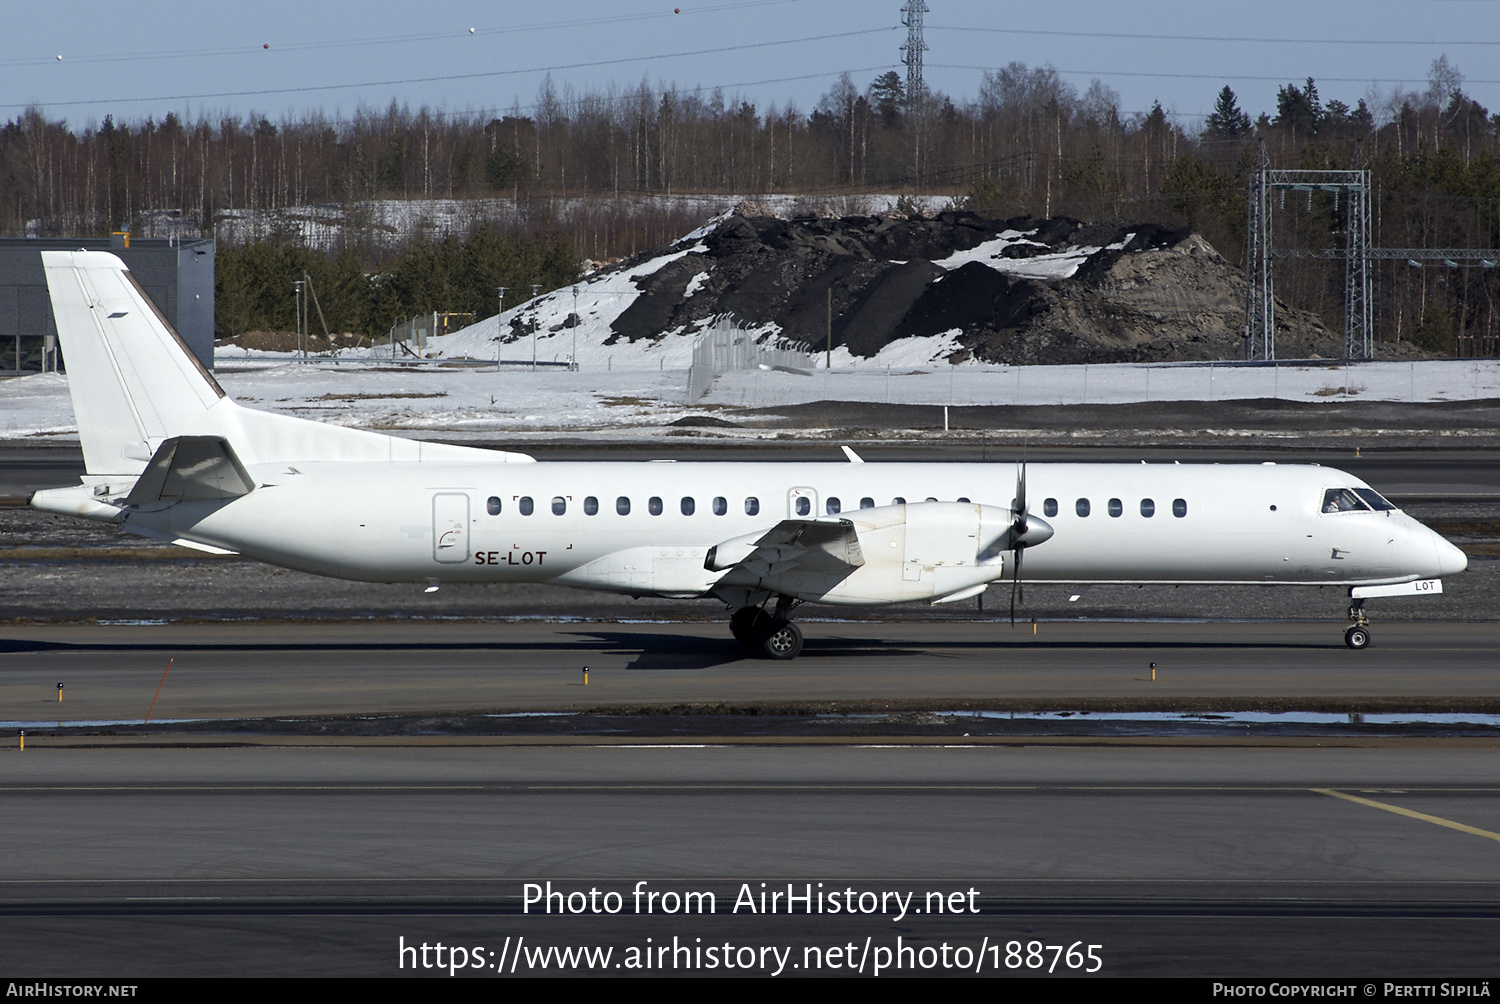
{"type": "Point", "coordinates": [1439, 820]}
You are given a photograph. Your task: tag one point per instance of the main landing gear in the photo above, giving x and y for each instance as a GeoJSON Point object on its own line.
{"type": "Point", "coordinates": [775, 634]}
{"type": "Point", "coordinates": [1358, 634]}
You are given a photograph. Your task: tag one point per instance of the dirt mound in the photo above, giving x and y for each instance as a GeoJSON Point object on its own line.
{"type": "Point", "coordinates": [1022, 290]}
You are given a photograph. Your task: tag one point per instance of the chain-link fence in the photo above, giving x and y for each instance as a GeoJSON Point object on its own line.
{"type": "Point", "coordinates": [725, 347]}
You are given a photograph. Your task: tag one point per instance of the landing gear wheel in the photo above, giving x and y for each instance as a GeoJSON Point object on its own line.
{"type": "Point", "coordinates": [749, 625]}
{"type": "Point", "coordinates": [783, 641]}
{"type": "Point", "coordinates": [1357, 637]}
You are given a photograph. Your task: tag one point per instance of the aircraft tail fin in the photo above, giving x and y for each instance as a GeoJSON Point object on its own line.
{"type": "Point", "coordinates": [135, 385]}
{"type": "Point", "coordinates": [133, 381]}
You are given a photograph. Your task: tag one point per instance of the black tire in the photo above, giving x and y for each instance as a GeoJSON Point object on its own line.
{"type": "Point", "coordinates": [783, 641]}
{"type": "Point", "coordinates": [1357, 637]}
{"type": "Point", "coordinates": [749, 625]}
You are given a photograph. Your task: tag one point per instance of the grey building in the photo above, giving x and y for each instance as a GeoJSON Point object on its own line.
{"type": "Point", "coordinates": [177, 275]}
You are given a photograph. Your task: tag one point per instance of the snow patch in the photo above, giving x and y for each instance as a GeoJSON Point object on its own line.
{"type": "Point", "coordinates": [1051, 266]}
{"type": "Point", "coordinates": [696, 283]}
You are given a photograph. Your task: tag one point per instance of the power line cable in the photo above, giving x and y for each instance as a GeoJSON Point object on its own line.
{"type": "Point", "coordinates": [1212, 38]}
{"type": "Point", "coordinates": [313, 88]}
{"type": "Point", "coordinates": [1215, 76]}
{"type": "Point", "coordinates": [449, 34]}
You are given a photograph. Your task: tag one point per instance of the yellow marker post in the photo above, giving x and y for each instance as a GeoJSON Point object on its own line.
{"type": "Point", "coordinates": [1033, 627]}
{"type": "Point", "coordinates": [1153, 672]}
{"type": "Point", "coordinates": [23, 739]}
{"type": "Point", "coordinates": [59, 693]}
{"type": "Point", "coordinates": [585, 676]}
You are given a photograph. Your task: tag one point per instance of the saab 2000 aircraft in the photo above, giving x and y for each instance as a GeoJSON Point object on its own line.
{"type": "Point", "coordinates": [169, 456]}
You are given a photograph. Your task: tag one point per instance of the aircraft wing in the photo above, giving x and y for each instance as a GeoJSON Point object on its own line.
{"type": "Point", "coordinates": [819, 545]}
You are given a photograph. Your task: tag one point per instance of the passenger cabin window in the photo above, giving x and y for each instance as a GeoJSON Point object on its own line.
{"type": "Point", "coordinates": [1081, 507]}
{"type": "Point", "coordinates": [804, 505]}
{"type": "Point", "coordinates": [962, 499]}
{"type": "Point", "coordinates": [898, 500]}
{"type": "Point", "coordinates": [1375, 499]}
{"type": "Point", "coordinates": [653, 505]}
{"type": "Point", "coordinates": [1179, 508]}
{"type": "Point", "coordinates": [559, 505]}
{"type": "Point", "coordinates": [833, 506]}
{"type": "Point", "coordinates": [493, 505]}
{"type": "Point", "coordinates": [1049, 507]}
{"type": "Point", "coordinates": [591, 506]}
{"type": "Point", "coordinates": [525, 505]}
{"type": "Point", "coordinates": [1116, 507]}
{"type": "Point", "coordinates": [752, 506]}
{"type": "Point", "coordinates": [931, 499]}
{"type": "Point", "coordinates": [1148, 508]}
{"type": "Point", "coordinates": [1343, 500]}
{"type": "Point", "coordinates": [867, 503]}
{"type": "Point", "coordinates": [688, 505]}
{"type": "Point", "coordinates": [721, 505]}
{"type": "Point", "coordinates": [622, 506]}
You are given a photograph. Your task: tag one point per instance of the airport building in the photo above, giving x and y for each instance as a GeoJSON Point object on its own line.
{"type": "Point", "coordinates": [177, 275]}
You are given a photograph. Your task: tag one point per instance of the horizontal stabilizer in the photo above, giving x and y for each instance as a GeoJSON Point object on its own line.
{"type": "Point", "coordinates": [191, 469]}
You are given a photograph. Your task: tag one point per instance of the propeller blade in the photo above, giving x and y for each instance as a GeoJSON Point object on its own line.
{"type": "Point", "coordinates": [1022, 509]}
{"type": "Point", "coordinates": [1018, 528]}
{"type": "Point", "coordinates": [1015, 583]}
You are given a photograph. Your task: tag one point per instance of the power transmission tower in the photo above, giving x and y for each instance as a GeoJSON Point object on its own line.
{"type": "Point", "coordinates": [914, 47]}
{"type": "Point", "coordinates": [1260, 292]}
{"type": "Point", "coordinates": [1260, 296]}
{"type": "Point", "coordinates": [1359, 316]}
{"type": "Point", "coordinates": [916, 105]}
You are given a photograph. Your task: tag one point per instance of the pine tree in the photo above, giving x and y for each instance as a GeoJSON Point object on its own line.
{"type": "Point", "coordinates": [888, 95]}
{"type": "Point", "coordinates": [1299, 110]}
{"type": "Point", "coordinates": [1227, 120]}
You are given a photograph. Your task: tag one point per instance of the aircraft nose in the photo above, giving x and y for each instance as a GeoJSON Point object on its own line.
{"type": "Point", "coordinates": [1451, 560]}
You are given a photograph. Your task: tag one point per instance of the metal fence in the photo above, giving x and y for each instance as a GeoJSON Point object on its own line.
{"type": "Point", "coordinates": [423, 327]}
{"type": "Point", "coordinates": [725, 347]}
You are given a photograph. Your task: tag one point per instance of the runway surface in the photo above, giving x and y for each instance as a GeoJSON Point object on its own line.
{"type": "Point", "coordinates": [295, 851]}
{"type": "Point", "coordinates": [1293, 862]}
{"type": "Point", "coordinates": [230, 671]}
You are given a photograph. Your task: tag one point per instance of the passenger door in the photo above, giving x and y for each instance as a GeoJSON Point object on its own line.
{"type": "Point", "coordinates": [450, 527]}
{"type": "Point", "coordinates": [802, 503]}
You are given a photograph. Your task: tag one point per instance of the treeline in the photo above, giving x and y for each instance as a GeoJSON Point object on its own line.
{"type": "Point", "coordinates": [579, 165]}
{"type": "Point", "coordinates": [254, 283]}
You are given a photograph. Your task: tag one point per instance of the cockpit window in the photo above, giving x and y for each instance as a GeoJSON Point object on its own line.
{"type": "Point", "coordinates": [1343, 500]}
{"type": "Point", "coordinates": [1374, 498]}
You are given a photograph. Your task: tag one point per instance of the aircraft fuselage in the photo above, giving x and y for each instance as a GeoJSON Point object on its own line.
{"type": "Point", "coordinates": [386, 522]}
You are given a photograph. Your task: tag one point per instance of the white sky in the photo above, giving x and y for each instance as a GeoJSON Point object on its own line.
{"type": "Point", "coordinates": [134, 60]}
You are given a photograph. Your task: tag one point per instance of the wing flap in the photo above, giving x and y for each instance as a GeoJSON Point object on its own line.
{"type": "Point", "coordinates": [814, 545]}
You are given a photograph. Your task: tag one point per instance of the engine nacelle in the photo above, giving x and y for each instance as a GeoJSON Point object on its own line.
{"type": "Point", "coordinates": [890, 554]}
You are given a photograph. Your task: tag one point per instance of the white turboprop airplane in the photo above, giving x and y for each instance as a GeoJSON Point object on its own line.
{"type": "Point", "coordinates": [169, 456]}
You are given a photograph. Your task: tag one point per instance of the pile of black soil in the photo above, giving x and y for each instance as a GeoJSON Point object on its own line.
{"type": "Point", "coordinates": [1126, 291]}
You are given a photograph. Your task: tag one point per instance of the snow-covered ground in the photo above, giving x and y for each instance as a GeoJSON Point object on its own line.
{"type": "Point", "coordinates": [480, 403]}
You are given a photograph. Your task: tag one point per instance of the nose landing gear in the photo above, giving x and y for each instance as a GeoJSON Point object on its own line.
{"type": "Point", "coordinates": [1358, 634]}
